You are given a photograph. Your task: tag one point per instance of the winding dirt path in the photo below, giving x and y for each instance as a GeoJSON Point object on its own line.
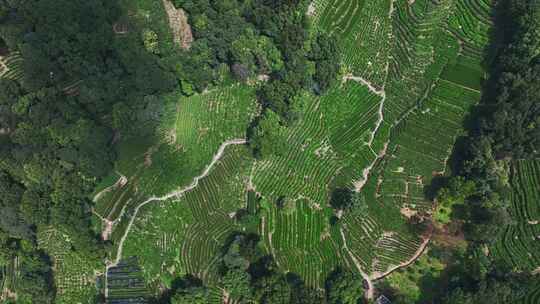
{"type": "Point", "coordinates": [417, 254]}
{"type": "Point", "coordinates": [358, 185]}
{"type": "Point", "coordinates": [369, 293]}
{"type": "Point", "coordinates": [122, 180]}
{"type": "Point", "coordinates": [366, 83]}
{"type": "Point", "coordinates": [380, 111]}
{"type": "Point", "coordinates": [270, 243]}
{"type": "Point", "coordinates": [177, 193]}
{"type": "Point", "coordinates": [371, 289]}
{"type": "Point", "coordinates": [107, 224]}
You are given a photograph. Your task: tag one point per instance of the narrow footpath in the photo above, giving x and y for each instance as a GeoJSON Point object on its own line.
{"type": "Point", "coordinates": [177, 193]}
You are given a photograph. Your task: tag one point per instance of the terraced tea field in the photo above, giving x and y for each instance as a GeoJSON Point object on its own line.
{"type": "Point", "coordinates": [364, 30]}
{"type": "Point", "coordinates": [411, 72]}
{"type": "Point", "coordinates": [519, 246]}
{"type": "Point", "coordinates": [532, 297]}
{"type": "Point", "coordinates": [11, 66]}
{"type": "Point", "coordinates": [190, 135]}
{"type": "Point", "coordinates": [184, 235]}
{"type": "Point", "coordinates": [290, 236]}
{"type": "Point", "coordinates": [125, 283]}
{"type": "Point", "coordinates": [333, 137]}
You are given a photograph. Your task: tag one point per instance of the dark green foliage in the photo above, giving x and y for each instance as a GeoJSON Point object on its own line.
{"type": "Point", "coordinates": [253, 38]}
{"type": "Point", "coordinates": [10, 217]}
{"type": "Point", "coordinates": [36, 278]}
{"type": "Point", "coordinates": [122, 117]}
{"type": "Point", "coordinates": [513, 107]}
{"type": "Point", "coordinates": [35, 284]}
{"type": "Point", "coordinates": [234, 257]}
{"type": "Point", "coordinates": [514, 125]}
{"type": "Point", "coordinates": [236, 284]}
{"type": "Point", "coordinates": [343, 287]}
{"type": "Point", "coordinates": [265, 139]}
{"type": "Point", "coordinates": [79, 85]}
{"type": "Point", "coordinates": [224, 34]}
{"type": "Point", "coordinates": [493, 290]}
{"type": "Point", "coordinates": [269, 285]}
{"type": "Point", "coordinates": [10, 189]}
{"type": "Point", "coordinates": [508, 125]}
{"type": "Point", "coordinates": [324, 51]}
{"type": "Point", "coordinates": [341, 199]}
{"type": "Point", "coordinates": [192, 295]}
{"type": "Point", "coordinates": [187, 290]}
{"type": "Point", "coordinates": [35, 204]}
{"type": "Point", "coordinates": [273, 289]}
{"type": "Point", "coordinates": [275, 95]}
{"type": "Point", "coordinates": [486, 224]}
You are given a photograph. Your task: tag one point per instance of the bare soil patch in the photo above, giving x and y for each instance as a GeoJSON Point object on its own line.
{"type": "Point", "coordinates": [311, 9]}
{"type": "Point", "coordinates": [407, 212]}
{"type": "Point", "coordinates": [449, 236]}
{"type": "Point", "coordinates": [181, 29]}
{"type": "Point", "coordinates": [3, 67]}
{"type": "Point", "coordinates": [148, 156]}
{"type": "Point", "coordinates": [107, 230]}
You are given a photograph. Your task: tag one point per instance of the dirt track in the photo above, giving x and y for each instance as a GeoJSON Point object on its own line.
{"type": "Point", "coordinates": [417, 254]}
{"type": "Point", "coordinates": [177, 193]}
{"type": "Point", "coordinates": [119, 183]}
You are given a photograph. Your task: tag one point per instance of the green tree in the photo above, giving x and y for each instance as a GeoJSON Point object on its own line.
{"type": "Point", "coordinates": [341, 198]}
{"type": "Point", "coordinates": [35, 206]}
{"type": "Point", "coordinates": [324, 52]}
{"type": "Point", "coordinates": [122, 117]}
{"type": "Point", "coordinates": [492, 290]}
{"type": "Point", "coordinates": [36, 284]}
{"type": "Point", "coordinates": [457, 191]}
{"type": "Point", "coordinates": [273, 288]}
{"type": "Point", "coordinates": [192, 295]}
{"type": "Point", "coordinates": [150, 40]}
{"type": "Point", "coordinates": [343, 287]}
{"type": "Point", "coordinates": [267, 138]}
{"type": "Point", "coordinates": [236, 284]}
{"type": "Point", "coordinates": [233, 258]}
